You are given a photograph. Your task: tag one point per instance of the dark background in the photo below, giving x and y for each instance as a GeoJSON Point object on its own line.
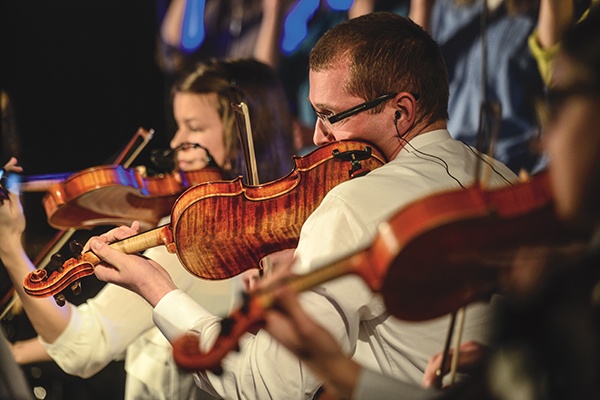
{"type": "Point", "coordinates": [81, 76]}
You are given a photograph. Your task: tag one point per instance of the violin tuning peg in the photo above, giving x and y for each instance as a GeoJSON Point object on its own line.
{"type": "Point", "coordinates": [56, 262]}
{"type": "Point", "coordinates": [76, 288]}
{"type": "Point", "coordinates": [76, 248]}
{"type": "Point", "coordinates": [60, 299]}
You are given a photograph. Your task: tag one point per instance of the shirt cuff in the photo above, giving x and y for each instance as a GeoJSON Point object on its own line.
{"type": "Point", "coordinates": [177, 313]}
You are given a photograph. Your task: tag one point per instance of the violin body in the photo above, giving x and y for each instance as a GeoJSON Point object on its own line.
{"type": "Point", "coordinates": [220, 229]}
{"type": "Point", "coordinates": [114, 195]}
{"type": "Point", "coordinates": [452, 248]}
{"type": "Point", "coordinates": [234, 226]}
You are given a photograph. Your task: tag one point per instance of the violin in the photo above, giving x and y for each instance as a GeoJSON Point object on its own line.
{"type": "Point", "coordinates": [220, 229]}
{"type": "Point", "coordinates": [110, 195]}
{"type": "Point", "coordinates": [114, 195]}
{"type": "Point", "coordinates": [431, 258]}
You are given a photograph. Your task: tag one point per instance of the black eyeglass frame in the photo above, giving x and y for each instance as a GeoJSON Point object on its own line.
{"type": "Point", "coordinates": [367, 105]}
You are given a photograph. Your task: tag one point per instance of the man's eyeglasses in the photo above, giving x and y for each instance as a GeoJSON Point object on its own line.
{"type": "Point", "coordinates": [330, 120]}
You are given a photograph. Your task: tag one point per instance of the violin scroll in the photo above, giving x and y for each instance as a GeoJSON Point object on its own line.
{"type": "Point", "coordinates": [52, 281]}
{"type": "Point", "coordinates": [41, 283]}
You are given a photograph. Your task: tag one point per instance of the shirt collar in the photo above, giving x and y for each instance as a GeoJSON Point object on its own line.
{"type": "Point", "coordinates": [425, 139]}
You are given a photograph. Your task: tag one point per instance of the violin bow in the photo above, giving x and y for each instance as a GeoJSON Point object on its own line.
{"type": "Point", "coordinates": [490, 112]}
{"type": "Point", "coordinates": [131, 155]}
{"type": "Point", "coordinates": [242, 119]}
{"type": "Point", "coordinates": [487, 134]}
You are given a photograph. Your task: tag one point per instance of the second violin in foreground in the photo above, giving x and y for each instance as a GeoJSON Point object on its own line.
{"type": "Point", "coordinates": [431, 258]}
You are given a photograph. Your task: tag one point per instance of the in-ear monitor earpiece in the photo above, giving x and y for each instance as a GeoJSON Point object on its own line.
{"type": "Point", "coordinates": [397, 116]}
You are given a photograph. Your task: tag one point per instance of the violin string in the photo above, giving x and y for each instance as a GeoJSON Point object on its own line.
{"type": "Point", "coordinates": [444, 164]}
